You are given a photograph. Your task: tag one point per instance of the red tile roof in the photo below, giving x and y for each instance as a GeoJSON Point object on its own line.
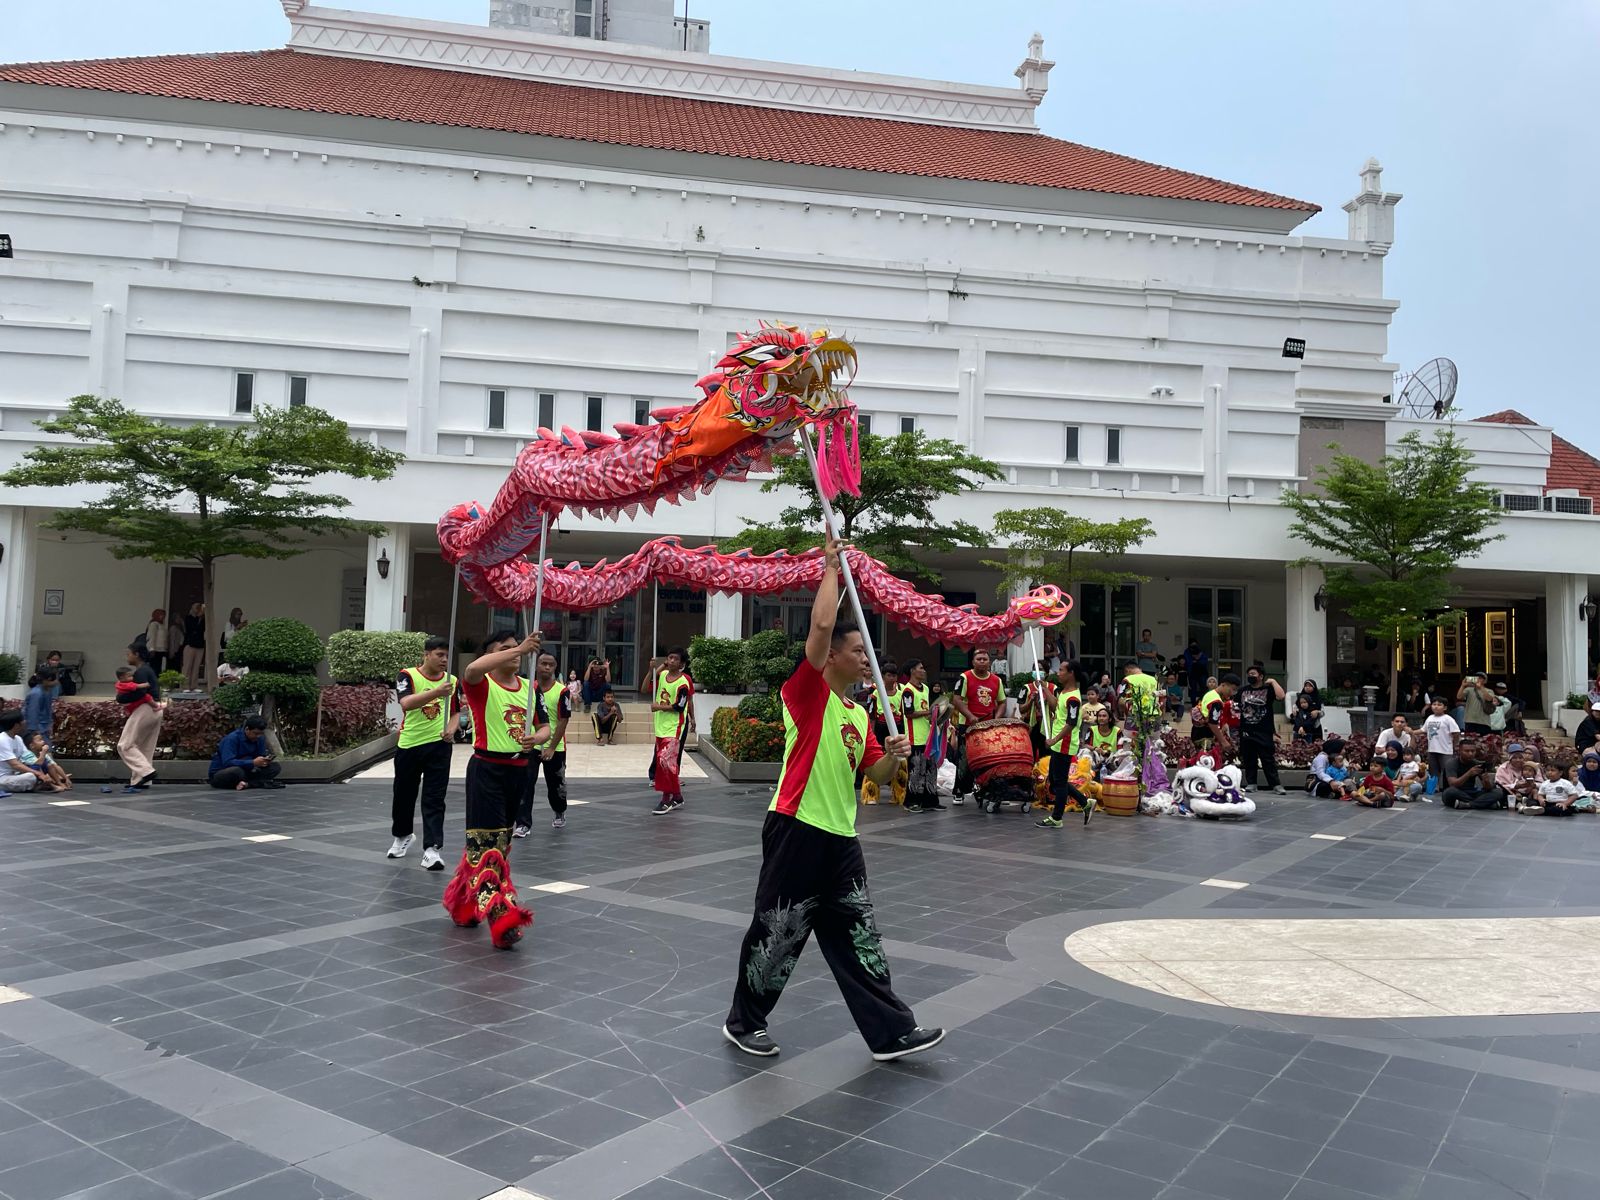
{"type": "Point", "coordinates": [1569, 467]}
{"type": "Point", "coordinates": [319, 83]}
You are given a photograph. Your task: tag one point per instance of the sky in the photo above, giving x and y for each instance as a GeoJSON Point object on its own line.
{"type": "Point", "coordinates": [1483, 115]}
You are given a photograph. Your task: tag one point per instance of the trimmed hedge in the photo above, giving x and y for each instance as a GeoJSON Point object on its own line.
{"type": "Point", "coordinates": [373, 656]}
{"type": "Point", "coordinates": [276, 644]}
{"type": "Point", "coordinates": [189, 729]}
{"type": "Point", "coordinates": [765, 706]}
{"type": "Point", "coordinates": [718, 664]}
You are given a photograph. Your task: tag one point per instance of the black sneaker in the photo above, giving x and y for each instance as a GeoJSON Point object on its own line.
{"type": "Point", "coordinates": [915, 1042]}
{"type": "Point", "coordinates": [272, 785]}
{"type": "Point", "coordinates": [663, 808]}
{"type": "Point", "coordinates": [757, 1043]}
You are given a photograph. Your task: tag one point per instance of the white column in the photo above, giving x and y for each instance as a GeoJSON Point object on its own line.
{"type": "Point", "coordinates": [1019, 655]}
{"type": "Point", "coordinates": [19, 530]}
{"type": "Point", "coordinates": [1566, 637]}
{"type": "Point", "coordinates": [386, 598]}
{"type": "Point", "coordinates": [724, 615]}
{"type": "Point", "coordinates": [1307, 629]}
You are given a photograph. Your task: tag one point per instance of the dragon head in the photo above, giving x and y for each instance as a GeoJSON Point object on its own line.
{"type": "Point", "coordinates": [770, 384]}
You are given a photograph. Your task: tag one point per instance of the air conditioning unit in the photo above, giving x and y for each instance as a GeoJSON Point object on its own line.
{"type": "Point", "coordinates": [1579, 505]}
{"type": "Point", "coordinates": [1514, 502]}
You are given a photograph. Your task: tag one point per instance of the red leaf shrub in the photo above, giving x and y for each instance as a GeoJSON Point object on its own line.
{"type": "Point", "coordinates": [745, 739]}
{"type": "Point", "coordinates": [189, 729]}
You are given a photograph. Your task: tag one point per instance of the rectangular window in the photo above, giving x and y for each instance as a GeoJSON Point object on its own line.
{"type": "Point", "coordinates": [583, 18]}
{"type": "Point", "coordinates": [596, 414]}
{"type": "Point", "coordinates": [244, 391]}
{"type": "Point", "coordinates": [547, 410]}
{"type": "Point", "coordinates": [1069, 452]}
{"type": "Point", "coordinates": [641, 412]}
{"type": "Point", "coordinates": [497, 409]}
{"type": "Point", "coordinates": [864, 422]}
{"type": "Point", "coordinates": [1113, 447]}
{"type": "Point", "coordinates": [299, 386]}
{"type": "Point", "coordinates": [908, 424]}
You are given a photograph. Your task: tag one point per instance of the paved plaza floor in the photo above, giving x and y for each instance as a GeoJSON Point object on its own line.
{"type": "Point", "coordinates": [211, 994]}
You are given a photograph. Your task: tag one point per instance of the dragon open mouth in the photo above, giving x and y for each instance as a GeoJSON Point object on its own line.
{"type": "Point", "coordinates": [823, 377]}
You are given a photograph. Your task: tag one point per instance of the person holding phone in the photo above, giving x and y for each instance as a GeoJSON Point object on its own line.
{"type": "Point", "coordinates": [242, 760]}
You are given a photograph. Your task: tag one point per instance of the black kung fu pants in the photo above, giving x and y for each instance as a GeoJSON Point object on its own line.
{"type": "Point", "coordinates": [428, 765]}
{"type": "Point", "coordinates": [555, 785]}
{"type": "Point", "coordinates": [813, 881]}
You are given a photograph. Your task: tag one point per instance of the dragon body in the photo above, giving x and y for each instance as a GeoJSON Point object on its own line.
{"type": "Point", "coordinates": [769, 386]}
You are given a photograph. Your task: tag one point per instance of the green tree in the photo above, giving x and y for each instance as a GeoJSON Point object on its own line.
{"type": "Point", "coordinates": [902, 478]}
{"type": "Point", "coordinates": [1390, 532]}
{"type": "Point", "coordinates": [1050, 545]}
{"type": "Point", "coordinates": [201, 493]}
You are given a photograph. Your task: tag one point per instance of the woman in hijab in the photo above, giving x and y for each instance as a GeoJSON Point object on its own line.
{"type": "Point", "coordinates": [1589, 771]}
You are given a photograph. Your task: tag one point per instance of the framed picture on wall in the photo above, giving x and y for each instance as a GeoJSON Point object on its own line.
{"type": "Point", "coordinates": [55, 601]}
{"type": "Point", "coordinates": [1497, 635]}
{"type": "Point", "coordinates": [1344, 644]}
{"type": "Point", "coordinates": [1449, 645]}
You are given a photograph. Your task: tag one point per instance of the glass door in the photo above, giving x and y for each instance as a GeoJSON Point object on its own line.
{"type": "Point", "coordinates": [619, 631]}
{"type": "Point", "coordinates": [1216, 622]}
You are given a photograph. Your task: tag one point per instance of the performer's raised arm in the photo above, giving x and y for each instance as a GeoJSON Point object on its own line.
{"type": "Point", "coordinates": [825, 608]}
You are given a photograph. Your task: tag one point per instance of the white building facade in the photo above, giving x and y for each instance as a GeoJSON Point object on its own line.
{"type": "Point", "coordinates": [450, 236]}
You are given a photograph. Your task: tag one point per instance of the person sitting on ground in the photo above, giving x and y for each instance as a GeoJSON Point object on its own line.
{"type": "Point", "coordinates": [1556, 795]}
{"type": "Point", "coordinates": [38, 706]}
{"type": "Point", "coordinates": [1514, 777]}
{"type": "Point", "coordinates": [1588, 772]}
{"type": "Point", "coordinates": [16, 775]}
{"type": "Point", "coordinates": [1588, 732]}
{"type": "Point", "coordinates": [1376, 789]}
{"type": "Point", "coordinates": [52, 661]}
{"type": "Point", "coordinates": [1413, 779]}
{"type": "Point", "coordinates": [1470, 784]}
{"type": "Point", "coordinates": [242, 760]}
{"type": "Point", "coordinates": [38, 755]}
{"type": "Point", "coordinates": [1338, 772]}
{"type": "Point", "coordinates": [607, 719]}
{"type": "Point", "coordinates": [1321, 779]}
{"type": "Point", "coordinates": [1305, 722]}
{"type": "Point", "coordinates": [1174, 696]}
{"type": "Point", "coordinates": [1393, 764]}
{"type": "Point", "coordinates": [1398, 733]}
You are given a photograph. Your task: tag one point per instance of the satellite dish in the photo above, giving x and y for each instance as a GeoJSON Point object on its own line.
{"type": "Point", "coordinates": [1431, 389]}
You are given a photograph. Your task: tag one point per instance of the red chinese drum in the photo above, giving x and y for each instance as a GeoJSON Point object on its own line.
{"type": "Point", "coordinates": [1000, 749]}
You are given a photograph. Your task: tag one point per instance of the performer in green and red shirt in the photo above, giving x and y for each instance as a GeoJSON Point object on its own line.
{"type": "Point", "coordinates": [481, 889]}
{"type": "Point", "coordinates": [671, 716]}
{"type": "Point", "coordinates": [977, 698]}
{"type": "Point", "coordinates": [813, 876]}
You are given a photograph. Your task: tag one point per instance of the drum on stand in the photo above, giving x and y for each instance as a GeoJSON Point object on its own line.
{"type": "Point", "coordinates": [1000, 757]}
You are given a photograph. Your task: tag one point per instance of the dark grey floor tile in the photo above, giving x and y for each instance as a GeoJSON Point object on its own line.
{"type": "Point", "coordinates": [792, 1141]}
{"type": "Point", "coordinates": [1229, 1179]}
{"type": "Point", "coordinates": [945, 1182]}
{"type": "Point", "coordinates": [1084, 1179]}
{"type": "Point", "coordinates": [162, 1144]}
{"type": "Point", "coordinates": [290, 1184]}
{"type": "Point", "coordinates": [514, 1154]}
{"type": "Point", "coordinates": [451, 1131]}
{"type": "Point", "coordinates": [1003, 1158]}
{"type": "Point", "coordinates": [132, 1187]}
{"type": "Point", "coordinates": [872, 1165]}
{"type": "Point", "coordinates": [1488, 1166]}
{"type": "Point", "coordinates": [1138, 1154]}
{"type": "Point", "coordinates": [587, 1124]}
{"type": "Point", "coordinates": [666, 1189]}
{"type": "Point", "coordinates": [1261, 1149]}
{"type": "Point", "coordinates": [1362, 1174]}
{"type": "Point", "coordinates": [97, 1125]}
{"type": "Point", "coordinates": [805, 1184]}
{"type": "Point", "coordinates": [731, 1173]}
{"type": "Point", "coordinates": [842, 1111]}
{"type": "Point", "coordinates": [52, 1178]}
{"type": "Point", "coordinates": [30, 1143]}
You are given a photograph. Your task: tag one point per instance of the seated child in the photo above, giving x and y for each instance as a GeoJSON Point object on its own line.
{"type": "Point", "coordinates": [1587, 782]}
{"type": "Point", "coordinates": [31, 759]}
{"type": "Point", "coordinates": [1376, 789]}
{"type": "Point", "coordinates": [1339, 777]}
{"type": "Point", "coordinates": [1174, 696]}
{"type": "Point", "coordinates": [1556, 795]}
{"type": "Point", "coordinates": [38, 755]}
{"type": "Point", "coordinates": [1412, 778]}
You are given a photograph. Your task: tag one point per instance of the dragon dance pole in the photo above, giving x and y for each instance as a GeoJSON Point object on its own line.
{"type": "Point", "coordinates": [538, 616]}
{"type": "Point", "coordinates": [455, 589]}
{"type": "Point", "coordinates": [850, 584]}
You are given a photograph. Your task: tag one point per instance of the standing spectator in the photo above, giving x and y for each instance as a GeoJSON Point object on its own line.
{"type": "Point", "coordinates": [194, 647]}
{"type": "Point", "coordinates": [142, 727]}
{"type": "Point", "coordinates": [1415, 699]}
{"type": "Point", "coordinates": [15, 774]}
{"type": "Point", "coordinates": [1258, 707]}
{"type": "Point", "coordinates": [1441, 729]}
{"type": "Point", "coordinates": [236, 622]}
{"type": "Point", "coordinates": [575, 690]}
{"type": "Point", "coordinates": [1147, 653]}
{"type": "Point", "coordinates": [1471, 784]}
{"type": "Point", "coordinates": [1196, 665]}
{"type": "Point", "coordinates": [1514, 708]}
{"type": "Point", "coordinates": [155, 640]}
{"type": "Point", "coordinates": [38, 707]}
{"type": "Point", "coordinates": [596, 682]}
{"type": "Point", "coordinates": [430, 706]}
{"type": "Point", "coordinates": [242, 760]}
{"type": "Point", "coordinates": [1477, 702]}
{"type": "Point", "coordinates": [1588, 733]}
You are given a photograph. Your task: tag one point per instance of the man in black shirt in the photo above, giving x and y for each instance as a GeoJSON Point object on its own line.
{"type": "Point", "coordinates": [1257, 701]}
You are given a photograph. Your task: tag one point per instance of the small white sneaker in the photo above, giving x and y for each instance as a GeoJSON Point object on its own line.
{"type": "Point", "coordinates": [432, 860]}
{"type": "Point", "coordinates": [401, 846]}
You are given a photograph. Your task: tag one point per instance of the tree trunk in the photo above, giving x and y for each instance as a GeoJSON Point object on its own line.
{"type": "Point", "coordinates": [1394, 677]}
{"type": "Point", "coordinates": [208, 592]}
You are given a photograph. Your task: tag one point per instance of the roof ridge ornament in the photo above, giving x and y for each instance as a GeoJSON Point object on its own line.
{"type": "Point", "coordinates": [1372, 210]}
{"type": "Point", "coordinates": [291, 8]}
{"type": "Point", "coordinates": [1035, 69]}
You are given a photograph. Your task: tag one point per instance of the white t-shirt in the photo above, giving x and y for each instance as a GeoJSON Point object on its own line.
{"type": "Point", "coordinates": [1559, 789]}
{"type": "Point", "coordinates": [1409, 770]}
{"type": "Point", "coordinates": [1440, 731]}
{"type": "Point", "coordinates": [1387, 736]}
{"type": "Point", "coordinates": [11, 747]}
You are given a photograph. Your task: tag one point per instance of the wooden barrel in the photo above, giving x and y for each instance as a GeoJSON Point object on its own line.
{"type": "Point", "coordinates": [1119, 797]}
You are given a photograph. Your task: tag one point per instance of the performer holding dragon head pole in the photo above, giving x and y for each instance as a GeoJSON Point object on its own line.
{"type": "Point", "coordinates": [813, 876]}
{"type": "Point", "coordinates": [497, 774]}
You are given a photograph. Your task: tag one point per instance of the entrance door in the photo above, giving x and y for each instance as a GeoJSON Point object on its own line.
{"type": "Point", "coordinates": [185, 588]}
{"type": "Point", "coordinates": [1216, 621]}
{"type": "Point", "coordinates": [1108, 628]}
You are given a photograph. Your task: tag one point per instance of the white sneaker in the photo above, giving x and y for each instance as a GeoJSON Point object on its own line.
{"type": "Point", "coordinates": [432, 860]}
{"type": "Point", "coordinates": [401, 845]}
{"type": "Point", "coordinates": [520, 831]}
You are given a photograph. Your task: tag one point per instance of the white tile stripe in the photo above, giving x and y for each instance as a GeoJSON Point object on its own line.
{"type": "Point", "coordinates": [559, 886]}
{"type": "Point", "coordinates": [1232, 885]}
{"type": "Point", "coordinates": [512, 1193]}
{"type": "Point", "coordinates": [268, 837]}
{"type": "Point", "coordinates": [68, 803]}
{"type": "Point", "coordinates": [1327, 837]}
{"type": "Point", "coordinates": [10, 995]}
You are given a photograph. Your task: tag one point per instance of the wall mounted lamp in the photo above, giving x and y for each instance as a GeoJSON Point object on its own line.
{"type": "Point", "coordinates": [1320, 600]}
{"type": "Point", "coordinates": [1587, 608]}
{"type": "Point", "coordinates": [383, 564]}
